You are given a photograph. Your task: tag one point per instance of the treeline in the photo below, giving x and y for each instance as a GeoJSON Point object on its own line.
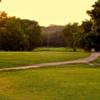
{"type": "Point", "coordinates": [24, 35]}
{"type": "Point", "coordinates": [18, 34]}
{"type": "Point", "coordinates": [52, 37]}
{"type": "Point", "coordinates": [86, 35]}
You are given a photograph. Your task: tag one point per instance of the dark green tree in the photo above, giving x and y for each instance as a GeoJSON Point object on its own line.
{"type": "Point", "coordinates": [17, 34]}
{"type": "Point", "coordinates": [70, 35]}
{"type": "Point", "coordinates": [32, 33]}
{"type": "Point", "coordinates": [12, 35]}
{"type": "Point", "coordinates": [3, 18]}
{"type": "Point", "coordinates": [95, 30]}
{"type": "Point", "coordinates": [90, 37]}
{"type": "Point", "coordinates": [95, 17]}
{"type": "Point", "coordinates": [83, 41]}
{"type": "Point", "coordinates": [87, 25]}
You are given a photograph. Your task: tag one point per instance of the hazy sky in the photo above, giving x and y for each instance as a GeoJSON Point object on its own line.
{"type": "Point", "coordinates": [48, 11]}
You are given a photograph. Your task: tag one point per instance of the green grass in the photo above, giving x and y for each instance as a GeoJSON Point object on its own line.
{"type": "Point", "coordinates": [97, 61]}
{"type": "Point", "coordinates": [71, 82]}
{"type": "Point", "coordinates": [60, 49]}
{"type": "Point", "coordinates": [13, 59]}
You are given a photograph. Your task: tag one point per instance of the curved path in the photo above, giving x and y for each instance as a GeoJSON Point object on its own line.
{"type": "Point", "coordinates": [87, 60]}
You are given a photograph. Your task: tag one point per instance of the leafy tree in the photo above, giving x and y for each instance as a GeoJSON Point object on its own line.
{"type": "Point", "coordinates": [90, 37]}
{"type": "Point", "coordinates": [86, 25]}
{"type": "Point", "coordinates": [12, 35]}
{"type": "Point", "coordinates": [17, 34]}
{"type": "Point", "coordinates": [95, 17]}
{"type": "Point", "coordinates": [70, 34]}
{"type": "Point", "coordinates": [82, 40]}
{"type": "Point", "coordinates": [95, 30]}
{"type": "Point", "coordinates": [32, 33]}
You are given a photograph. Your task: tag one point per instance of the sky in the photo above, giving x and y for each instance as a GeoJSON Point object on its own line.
{"type": "Point", "coordinates": [47, 12]}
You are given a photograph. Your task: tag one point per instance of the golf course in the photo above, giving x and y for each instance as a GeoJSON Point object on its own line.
{"type": "Point", "coordinates": [49, 49]}
{"type": "Point", "coordinates": [61, 82]}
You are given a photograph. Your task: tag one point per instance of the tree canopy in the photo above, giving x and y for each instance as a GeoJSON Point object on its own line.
{"type": "Point", "coordinates": [70, 33]}
{"type": "Point", "coordinates": [18, 34]}
{"type": "Point", "coordinates": [90, 37]}
{"type": "Point", "coordinates": [95, 29]}
{"type": "Point", "coordinates": [95, 17]}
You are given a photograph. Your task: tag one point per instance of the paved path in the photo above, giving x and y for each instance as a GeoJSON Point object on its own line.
{"type": "Point", "coordinates": [87, 60]}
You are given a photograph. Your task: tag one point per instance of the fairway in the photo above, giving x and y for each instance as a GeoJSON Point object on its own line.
{"type": "Point", "coordinates": [63, 82]}
{"type": "Point", "coordinates": [47, 54]}
{"type": "Point", "coordinates": [69, 82]}
{"type": "Point", "coordinates": [14, 59]}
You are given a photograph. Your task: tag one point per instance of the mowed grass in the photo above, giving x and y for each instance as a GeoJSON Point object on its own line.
{"type": "Point", "coordinates": [13, 59]}
{"type": "Point", "coordinates": [68, 82]}
{"type": "Point", "coordinates": [97, 61]}
{"type": "Point", "coordinates": [60, 49]}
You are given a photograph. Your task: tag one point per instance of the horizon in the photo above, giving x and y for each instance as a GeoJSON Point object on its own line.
{"type": "Point", "coordinates": [48, 12]}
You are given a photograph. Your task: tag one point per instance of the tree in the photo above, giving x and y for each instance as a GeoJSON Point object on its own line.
{"type": "Point", "coordinates": [12, 35]}
{"type": "Point", "coordinates": [95, 16]}
{"type": "Point", "coordinates": [69, 34]}
{"type": "Point", "coordinates": [53, 39]}
{"type": "Point", "coordinates": [32, 33]}
{"type": "Point", "coordinates": [17, 34]}
{"type": "Point", "coordinates": [90, 37]}
{"type": "Point", "coordinates": [3, 18]}
{"type": "Point", "coordinates": [83, 35]}
{"type": "Point", "coordinates": [95, 30]}
{"type": "Point", "coordinates": [87, 25]}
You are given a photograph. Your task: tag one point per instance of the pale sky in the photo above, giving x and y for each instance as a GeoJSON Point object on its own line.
{"type": "Point", "coordinates": [48, 12]}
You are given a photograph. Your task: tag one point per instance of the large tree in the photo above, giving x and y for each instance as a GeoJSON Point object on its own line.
{"type": "Point", "coordinates": [90, 37]}
{"type": "Point", "coordinates": [32, 33]}
{"type": "Point", "coordinates": [70, 35]}
{"type": "Point", "coordinates": [95, 30]}
{"type": "Point", "coordinates": [82, 40]}
{"type": "Point", "coordinates": [18, 34]}
{"type": "Point", "coordinates": [95, 16]}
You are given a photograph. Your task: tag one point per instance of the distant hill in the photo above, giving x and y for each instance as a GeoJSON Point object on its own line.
{"type": "Point", "coordinates": [52, 29]}
{"type": "Point", "coordinates": [52, 36]}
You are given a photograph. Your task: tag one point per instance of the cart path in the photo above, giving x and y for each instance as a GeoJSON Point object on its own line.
{"type": "Point", "coordinates": [86, 60]}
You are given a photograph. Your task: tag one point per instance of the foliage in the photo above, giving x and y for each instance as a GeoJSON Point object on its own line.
{"type": "Point", "coordinates": [83, 40]}
{"type": "Point", "coordinates": [53, 40]}
{"type": "Point", "coordinates": [87, 35]}
{"type": "Point", "coordinates": [52, 37]}
{"type": "Point", "coordinates": [70, 35]}
{"type": "Point", "coordinates": [95, 29]}
{"type": "Point", "coordinates": [18, 34]}
{"type": "Point", "coordinates": [87, 25]}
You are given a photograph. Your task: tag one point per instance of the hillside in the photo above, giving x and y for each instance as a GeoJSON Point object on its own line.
{"type": "Point", "coordinates": [52, 29]}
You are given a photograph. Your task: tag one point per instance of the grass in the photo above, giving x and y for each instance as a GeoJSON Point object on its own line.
{"type": "Point", "coordinates": [13, 59]}
{"type": "Point", "coordinates": [66, 82]}
{"type": "Point", "coordinates": [71, 82]}
{"type": "Point", "coordinates": [97, 61]}
{"type": "Point", "coordinates": [60, 49]}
